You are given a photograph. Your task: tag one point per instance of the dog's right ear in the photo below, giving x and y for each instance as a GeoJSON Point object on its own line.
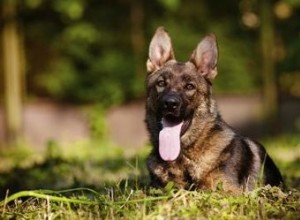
{"type": "Point", "coordinates": [160, 50]}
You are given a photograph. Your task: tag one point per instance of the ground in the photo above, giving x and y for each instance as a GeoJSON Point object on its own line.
{"type": "Point", "coordinates": [45, 120]}
{"type": "Point", "coordinates": [94, 177]}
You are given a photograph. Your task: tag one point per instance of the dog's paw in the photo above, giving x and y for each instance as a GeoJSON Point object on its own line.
{"type": "Point", "coordinates": [195, 173]}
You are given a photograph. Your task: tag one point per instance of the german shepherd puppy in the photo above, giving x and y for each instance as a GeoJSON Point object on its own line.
{"type": "Point", "coordinates": [192, 145]}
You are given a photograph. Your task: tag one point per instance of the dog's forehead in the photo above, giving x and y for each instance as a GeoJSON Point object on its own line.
{"type": "Point", "coordinates": [179, 68]}
{"type": "Point", "coordinates": [173, 69]}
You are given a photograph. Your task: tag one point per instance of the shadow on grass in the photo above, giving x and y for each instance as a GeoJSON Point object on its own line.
{"type": "Point", "coordinates": [105, 167]}
{"type": "Point", "coordinates": [57, 174]}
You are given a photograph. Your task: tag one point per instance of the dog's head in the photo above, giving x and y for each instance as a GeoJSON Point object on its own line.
{"type": "Point", "coordinates": [176, 89]}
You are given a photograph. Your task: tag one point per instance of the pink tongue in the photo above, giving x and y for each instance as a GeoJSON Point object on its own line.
{"type": "Point", "coordinates": [169, 141]}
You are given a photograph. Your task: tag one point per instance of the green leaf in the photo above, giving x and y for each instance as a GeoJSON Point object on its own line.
{"type": "Point", "coordinates": [169, 186]}
{"type": "Point", "coordinates": [172, 5]}
{"type": "Point", "coordinates": [73, 9]}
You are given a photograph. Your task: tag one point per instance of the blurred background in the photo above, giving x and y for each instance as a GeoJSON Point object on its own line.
{"type": "Point", "coordinates": [72, 79]}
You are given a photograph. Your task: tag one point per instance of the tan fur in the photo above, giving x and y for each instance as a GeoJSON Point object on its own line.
{"type": "Point", "coordinates": [212, 154]}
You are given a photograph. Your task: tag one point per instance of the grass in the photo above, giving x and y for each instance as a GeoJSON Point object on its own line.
{"type": "Point", "coordinates": [262, 203]}
{"type": "Point", "coordinates": [107, 182]}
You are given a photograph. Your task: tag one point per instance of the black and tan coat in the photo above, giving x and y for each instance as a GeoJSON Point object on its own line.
{"type": "Point", "coordinates": [211, 152]}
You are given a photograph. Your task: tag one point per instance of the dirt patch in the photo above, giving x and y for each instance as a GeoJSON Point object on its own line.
{"type": "Point", "coordinates": [45, 120]}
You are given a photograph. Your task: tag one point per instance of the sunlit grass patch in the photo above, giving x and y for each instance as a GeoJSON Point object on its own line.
{"type": "Point", "coordinates": [104, 181]}
{"type": "Point", "coordinates": [129, 203]}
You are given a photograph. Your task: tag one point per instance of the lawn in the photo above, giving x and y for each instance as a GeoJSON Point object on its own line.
{"type": "Point", "coordinates": [97, 180]}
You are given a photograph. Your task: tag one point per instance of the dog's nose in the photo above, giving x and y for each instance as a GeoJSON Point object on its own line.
{"type": "Point", "coordinates": [171, 103]}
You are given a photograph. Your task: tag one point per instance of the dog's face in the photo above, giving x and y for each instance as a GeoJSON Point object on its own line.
{"type": "Point", "coordinates": [177, 89]}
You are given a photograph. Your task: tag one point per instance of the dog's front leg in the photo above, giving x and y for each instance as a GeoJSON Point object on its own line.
{"type": "Point", "coordinates": [158, 174]}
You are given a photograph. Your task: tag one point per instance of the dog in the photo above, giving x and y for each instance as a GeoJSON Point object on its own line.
{"type": "Point", "coordinates": [193, 147]}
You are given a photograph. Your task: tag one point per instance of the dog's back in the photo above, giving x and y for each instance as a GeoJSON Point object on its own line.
{"type": "Point", "coordinates": [245, 162]}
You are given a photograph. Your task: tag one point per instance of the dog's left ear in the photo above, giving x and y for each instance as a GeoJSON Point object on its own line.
{"type": "Point", "coordinates": [205, 57]}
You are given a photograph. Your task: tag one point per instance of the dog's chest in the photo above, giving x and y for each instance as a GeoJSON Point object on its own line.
{"type": "Point", "coordinates": [177, 171]}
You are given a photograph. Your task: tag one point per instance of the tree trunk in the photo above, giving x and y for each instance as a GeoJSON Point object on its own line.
{"type": "Point", "coordinates": [138, 42]}
{"type": "Point", "coordinates": [270, 96]}
{"type": "Point", "coordinates": [12, 69]}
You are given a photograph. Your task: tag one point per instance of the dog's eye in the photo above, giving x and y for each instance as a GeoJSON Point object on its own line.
{"type": "Point", "coordinates": [161, 83]}
{"type": "Point", "coordinates": [190, 86]}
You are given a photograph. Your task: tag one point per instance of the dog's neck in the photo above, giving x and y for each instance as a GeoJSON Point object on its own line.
{"type": "Point", "coordinates": [204, 119]}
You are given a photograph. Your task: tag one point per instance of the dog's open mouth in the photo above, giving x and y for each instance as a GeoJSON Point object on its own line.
{"type": "Point", "coordinates": [169, 138]}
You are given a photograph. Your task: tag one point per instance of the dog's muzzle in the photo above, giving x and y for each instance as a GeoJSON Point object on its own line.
{"type": "Point", "coordinates": [171, 104]}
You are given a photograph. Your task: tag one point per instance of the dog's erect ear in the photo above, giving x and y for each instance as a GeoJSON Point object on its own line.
{"type": "Point", "coordinates": [160, 50]}
{"type": "Point", "coordinates": [205, 57]}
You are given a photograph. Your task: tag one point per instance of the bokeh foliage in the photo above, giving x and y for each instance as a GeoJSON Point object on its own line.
{"type": "Point", "coordinates": [83, 51]}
